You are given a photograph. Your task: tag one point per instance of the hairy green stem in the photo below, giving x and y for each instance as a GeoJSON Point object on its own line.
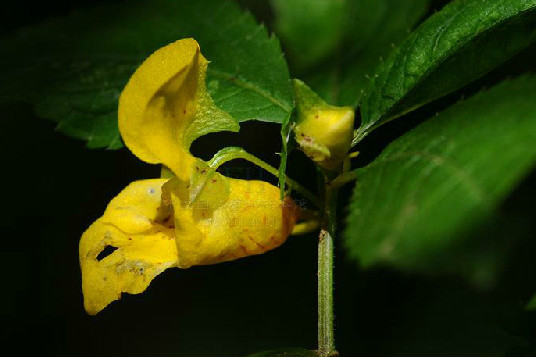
{"type": "Point", "coordinates": [326, 339]}
{"type": "Point", "coordinates": [326, 336]}
{"type": "Point", "coordinates": [233, 153]}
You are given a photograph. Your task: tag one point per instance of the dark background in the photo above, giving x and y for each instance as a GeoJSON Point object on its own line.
{"type": "Point", "coordinates": [54, 188]}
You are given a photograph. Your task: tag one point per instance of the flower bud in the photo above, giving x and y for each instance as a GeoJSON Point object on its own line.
{"type": "Point", "coordinates": [323, 132]}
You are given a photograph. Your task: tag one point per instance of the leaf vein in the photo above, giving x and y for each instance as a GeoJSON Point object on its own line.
{"type": "Point", "coordinates": [252, 87]}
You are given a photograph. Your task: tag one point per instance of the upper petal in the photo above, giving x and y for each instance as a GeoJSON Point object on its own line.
{"type": "Point", "coordinates": [165, 106]}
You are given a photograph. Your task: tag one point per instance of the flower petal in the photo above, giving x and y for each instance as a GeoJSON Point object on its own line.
{"type": "Point", "coordinates": [252, 220]}
{"type": "Point", "coordinates": [165, 106]}
{"type": "Point", "coordinates": [143, 247]}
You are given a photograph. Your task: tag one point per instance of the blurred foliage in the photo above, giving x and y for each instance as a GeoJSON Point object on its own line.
{"type": "Point", "coordinates": [335, 47]}
{"type": "Point", "coordinates": [532, 304]}
{"type": "Point", "coordinates": [310, 35]}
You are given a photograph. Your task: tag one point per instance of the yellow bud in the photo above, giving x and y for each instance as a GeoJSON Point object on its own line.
{"type": "Point", "coordinates": [323, 132]}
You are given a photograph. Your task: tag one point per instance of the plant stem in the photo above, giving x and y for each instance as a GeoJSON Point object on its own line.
{"type": "Point", "coordinates": [343, 179]}
{"type": "Point", "coordinates": [326, 343]}
{"type": "Point", "coordinates": [233, 153]}
{"type": "Point", "coordinates": [326, 337]}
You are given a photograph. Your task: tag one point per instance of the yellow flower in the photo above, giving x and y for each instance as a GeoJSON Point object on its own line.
{"type": "Point", "coordinates": [198, 216]}
{"type": "Point", "coordinates": [323, 131]}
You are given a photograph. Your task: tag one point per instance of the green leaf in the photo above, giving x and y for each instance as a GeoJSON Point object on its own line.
{"type": "Point", "coordinates": [371, 30]}
{"type": "Point", "coordinates": [74, 68]}
{"type": "Point", "coordinates": [287, 352]}
{"type": "Point", "coordinates": [420, 203]}
{"type": "Point", "coordinates": [455, 46]}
